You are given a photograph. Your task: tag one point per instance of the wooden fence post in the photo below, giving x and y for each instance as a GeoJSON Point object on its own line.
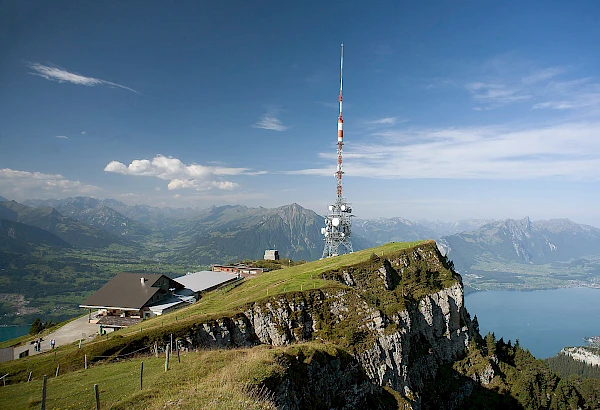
{"type": "Point", "coordinates": [142, 376]}
{"type": "Point", "coordinates": [85, 361]}
{"type": "Point", "coordinates": [166, 358]}
{"type": "Point", "coordinates": [178, 359]}
{"type": "Point", "coordinates": [156, 349]}
{"type": "Point", "coordinates": [57, 370]}
{"type": "Point", "coordinates": [29, 377]}
{"type": "Point", "coordinates": [97, 394]}
{"type": "Point", "coordinates": [43, 407]}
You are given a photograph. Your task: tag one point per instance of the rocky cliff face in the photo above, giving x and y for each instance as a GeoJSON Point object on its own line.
{"type": "Point", "coordinates": [402, 349]}
{"type": "Point", "coordinates": [433, 332]}
{"type": "Point", "coordinates": [584, 354]}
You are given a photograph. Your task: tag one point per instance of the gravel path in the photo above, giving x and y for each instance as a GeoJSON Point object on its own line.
{"type": "Point", "coordinates": [69, 333]}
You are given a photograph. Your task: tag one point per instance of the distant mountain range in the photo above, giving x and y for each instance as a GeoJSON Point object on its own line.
{"type": "Point", "coordinates": [72, 231]}
{"type": "Point", "coordinates": [16, 237]}
{"type": "Point", "coordinates": [451, 228]}
{"type": "Point", "coordinates": [383, 230]}
{"type": "Point", "coordinates": [191, 236]}
{"type": "Point", "coordinates": [85, 241]}
{"type": "Point", "coordinates": [230, 233]}
{"type": "Point", "coordinates": [99, 214]}
{"type": "Point", "coordinates": [522, 242]}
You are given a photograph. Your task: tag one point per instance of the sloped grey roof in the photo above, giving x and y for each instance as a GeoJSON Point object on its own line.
{"type": "Point", "coordinates": [127, 291]}
{"type": "Point", "coordinates": [117, 321]}
{"type": "Point", "coordinates": [205, 279]}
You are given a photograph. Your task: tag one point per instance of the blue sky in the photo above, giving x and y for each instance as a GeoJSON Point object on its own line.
{"type": "Point", "coordinates": [453, 109]}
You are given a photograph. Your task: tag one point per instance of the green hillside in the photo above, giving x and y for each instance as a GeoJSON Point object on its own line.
{"type": "Point", "coordinates": [71, 231]}
{"type": "Point", "coordinates": [16, 237]}
{"type": "Point", "coordinates": [321, 372]}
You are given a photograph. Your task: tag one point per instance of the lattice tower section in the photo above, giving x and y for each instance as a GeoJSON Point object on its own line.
{"type": "Point", "coordinates": [338, 221]}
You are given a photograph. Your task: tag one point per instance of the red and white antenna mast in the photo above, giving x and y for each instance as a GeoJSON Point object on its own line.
{"type": "Point", "coordinates": [340, 139]}
{"type": "Point", "coordinates": [338, 222]}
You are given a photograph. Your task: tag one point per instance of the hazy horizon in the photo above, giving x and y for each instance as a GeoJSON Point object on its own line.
{"type": "Point", "coordinates": [418, 220]}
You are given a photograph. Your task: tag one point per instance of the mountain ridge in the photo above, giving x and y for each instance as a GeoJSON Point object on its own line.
{"type": "Point", "coordinates": [49, 219]}
{"type": "Point", "coordinates": [524, 241]}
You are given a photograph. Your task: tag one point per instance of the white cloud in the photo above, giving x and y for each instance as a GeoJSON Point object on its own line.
{"type": "Point", "coordinates": [544, 74]}
{"type": "Point", "coordinates": [63, 76]}
{"type": "Point", "coordinates": [383, 121]}
{"type": "Point", "coordinates": [83, 132]}
{"type": "Point", "coordinates": [62, 137]}
{"type": "Point", "coordinates": [565, 151]}
{"type": "Point", "coordinates": [23, 184]}
{"type": "Point", "coordinates": [180, 175]}
{"type": "Point", "coordinates": [505, 81]}
{"type": "Point", "coordinates": [581, 93]}
{"type": "Point", "coordinates": [270, 122]}
{"type": "Point", "coordinates": [496, 95]}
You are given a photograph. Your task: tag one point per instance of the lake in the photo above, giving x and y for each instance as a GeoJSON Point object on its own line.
{"type": "Point", "coordinates": [544, 321]}
{"type": "Point", "coordinates": [10, 332]}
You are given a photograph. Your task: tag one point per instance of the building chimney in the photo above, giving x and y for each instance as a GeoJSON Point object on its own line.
{"type": "Point", "coordinates": [142, 279]}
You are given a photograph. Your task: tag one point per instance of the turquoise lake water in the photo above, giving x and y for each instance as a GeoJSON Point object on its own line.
{"type": "Point", "coordinates": [10, 332]}
{"type": "Point", "coordinates": [544, 321]}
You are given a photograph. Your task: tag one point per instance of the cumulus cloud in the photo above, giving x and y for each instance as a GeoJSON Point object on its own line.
{"type": "Point", "coordinates": [63, 76]}
{"type": "Point", "coordinates": [24, 184]}
{"type": "Point", "coordinates": [270, 122]}
{"type": "Point", "coordinates": [567, 151]}
{"type": "Point", "coordinates": [180, 175]}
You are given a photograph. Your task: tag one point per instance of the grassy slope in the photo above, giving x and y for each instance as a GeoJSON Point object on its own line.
{"type": "Point", "coordinates": [223, 302]}
{"type": "Point", "coordinates": [296, 278]}
{"type": "Point", "coordinates": [206, 379]}
{"type": "Point", "coordinates": [216, 304]}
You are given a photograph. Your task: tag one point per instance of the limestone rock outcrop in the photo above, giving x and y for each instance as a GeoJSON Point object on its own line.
{"type": "Point", "coordinates": [402, 349]}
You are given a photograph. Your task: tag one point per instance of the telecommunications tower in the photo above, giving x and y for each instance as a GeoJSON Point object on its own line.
{"type": "Point", "coordinates": [338, 222]}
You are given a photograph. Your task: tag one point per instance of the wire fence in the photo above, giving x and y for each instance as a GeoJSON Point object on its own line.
{"type": "Point", "coordinates": [81, 389]}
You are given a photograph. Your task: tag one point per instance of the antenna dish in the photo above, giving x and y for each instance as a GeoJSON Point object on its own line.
{"type": "Point", "coordinates": [335, 221]}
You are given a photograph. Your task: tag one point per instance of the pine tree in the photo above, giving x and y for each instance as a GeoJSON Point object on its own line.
{"type": "Point", "coordinates": [36, 327]}
{"type": "Point", "coordinates": [475, 323]}
{"type": "Point", "coordinates": [490, 342]}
